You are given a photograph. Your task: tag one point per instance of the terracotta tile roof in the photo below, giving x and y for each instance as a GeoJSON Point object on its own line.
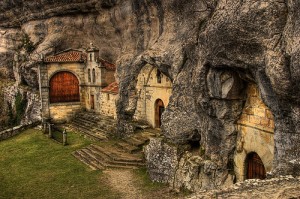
{"type": "Point", "coordinates": [69, 55]}
{"type": "Point", "coordinates": [112, 88]}
{"type": "Point", "coordinates": [107, 65]}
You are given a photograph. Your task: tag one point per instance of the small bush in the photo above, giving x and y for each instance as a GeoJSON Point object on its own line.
{"type": "Point", "coordinates": [27, 44]}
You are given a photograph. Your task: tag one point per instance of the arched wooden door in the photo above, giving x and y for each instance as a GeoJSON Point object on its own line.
{"type": "Point", "coordinates": [64, 87]}
{"type": "Point", "coordinates": [255, 167]}
{"type": "Point", "coordinates": [159, 109]}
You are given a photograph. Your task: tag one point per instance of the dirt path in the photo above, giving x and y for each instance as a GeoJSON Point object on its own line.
{"type": "Point", "coordinates": [131, 186]}
{"type": "Point", "coordinates": [123, 181]}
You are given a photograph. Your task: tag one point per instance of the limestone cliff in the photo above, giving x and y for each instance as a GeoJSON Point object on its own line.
{"type": "Point", "coordinates": [210, 49]}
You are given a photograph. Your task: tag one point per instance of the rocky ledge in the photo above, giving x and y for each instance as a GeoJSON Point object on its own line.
{"type": "Point", "coordinates": [282, 187]}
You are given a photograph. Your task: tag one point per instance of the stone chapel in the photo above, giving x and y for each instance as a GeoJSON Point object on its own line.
{"type": "Point", "coordinates": [76, 80]}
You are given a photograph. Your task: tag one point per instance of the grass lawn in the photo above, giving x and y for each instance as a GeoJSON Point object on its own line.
{"type": "Point", "coordinates": [33, 166]}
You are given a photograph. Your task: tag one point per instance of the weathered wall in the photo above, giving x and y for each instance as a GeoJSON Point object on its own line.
{"type": "Point", "coordinates": [64, 112]}
{"type": "Point", "coordinates": [107, 105]}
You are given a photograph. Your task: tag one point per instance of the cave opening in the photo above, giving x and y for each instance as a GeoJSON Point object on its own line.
{"type": "Point", "coordinates": [195, 145]}
{"type": "Point", "coordinates": [194, 142]}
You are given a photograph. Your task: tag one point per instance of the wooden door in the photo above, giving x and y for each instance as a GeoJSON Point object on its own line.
{"type": "Point", "coordinates": [255, 167]}
{"type": "Point", "coordinates": [92, 102]}
{"type": "Point", "coordinates": [159, 109]}
{"type": "Point", "coordinates": [64, 87]}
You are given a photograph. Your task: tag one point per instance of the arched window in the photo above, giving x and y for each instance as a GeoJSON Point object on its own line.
{"type": "Point", "coordinates": [91, 57]}
{"type": "Point", "coordinates": [64, 87]}
{"type": "Point", "coordinates": [94, 76]}
{"type": "Point", "coordinates": [158, 76]}
{"type": "Point", "coordinates": [89, 75]}
{"type": "Point", "coordinates": [255, 167]}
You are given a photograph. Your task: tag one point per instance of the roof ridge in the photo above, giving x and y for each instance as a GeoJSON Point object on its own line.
{"type": "Point", "coordinates": [67, 50]}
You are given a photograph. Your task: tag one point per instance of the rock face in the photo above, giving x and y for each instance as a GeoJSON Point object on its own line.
{"type": "Point", "coordinates": [210, 50]}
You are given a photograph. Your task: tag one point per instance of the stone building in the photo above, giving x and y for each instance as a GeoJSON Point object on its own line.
{"type": "Point", "coordinates": [153, 90]}
{"type": "Point", "coordinates": [71, 81]}
{"type": "Point", "coordinates": [255, 143]}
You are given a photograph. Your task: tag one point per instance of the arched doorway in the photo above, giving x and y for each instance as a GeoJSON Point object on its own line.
{"type": "Point", "coordinates": [159, 109]}
{"type": "Point", "coordinates": [64, 87]}
{"type": "Point", "coordinates": [255, 168]}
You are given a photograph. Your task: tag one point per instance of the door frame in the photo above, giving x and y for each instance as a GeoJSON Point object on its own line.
{"type": "Point", "coordinates": [92, 101]}
{"type": "Point", "coordinates": [254, 167]}
{"type": "Point", "coordinates": [159, 108]}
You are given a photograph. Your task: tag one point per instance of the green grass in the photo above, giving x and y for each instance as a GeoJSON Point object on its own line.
{"type": "Point", "coordinates": [33, 166]}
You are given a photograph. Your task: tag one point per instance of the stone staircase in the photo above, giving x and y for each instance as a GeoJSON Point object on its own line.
{"type": "Point", "coordinates": [124, 153]}
{"type": "Point", "coordinates": [96, 126]}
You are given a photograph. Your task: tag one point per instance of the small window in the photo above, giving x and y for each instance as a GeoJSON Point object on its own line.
{"type": "Point", "coordinates": [91, 57]}
{"type": "Point", "coordinates": [107, 97]}
{"type": "Point", "coordinates": [158, 76]}
{"type": "Point", "coordinates": [94, 76]}
{"type": "Point", "coordinates": [89, 75]}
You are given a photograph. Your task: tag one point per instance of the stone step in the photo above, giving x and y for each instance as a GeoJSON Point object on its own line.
{"type": "Point", "coordinates": [95, 161]}
{"type": "Point", "coordinates": [88, 128]}
{"type": "Point", "coordinates": [135, 142]}
{"type": "Point", "coordinates": [84, 121]}
{"type": "Point", "coordinates": [128, 147]}
{"type": "Point", "coordinates": [96, 124]}
{"type": "Point", "coordinates": [97, 135]}
{"type": "Point", "coordinates": [105, 160]}
{"type": "Point", "coordinates": [81, 157]}
{"type": "Point", "coordinates": [117, 155]}
{"type": "Point", "coordinates": [95, 117]}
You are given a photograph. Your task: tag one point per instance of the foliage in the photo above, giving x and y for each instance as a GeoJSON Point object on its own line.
{"type": "Point", "coordinates": [33, 166]}
{"type": "Point", "coordinates": [16, 115]}
{"type": "Point", "coordinates": [20, 104]}
{"type": "Point", "coordinates": [27, 44]}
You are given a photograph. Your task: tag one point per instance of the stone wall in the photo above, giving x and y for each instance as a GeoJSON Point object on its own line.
{"type": "Point", "coordinates": [8, 133]}
{"type": "Point", "coordinates": [255, 133]}
{"type": "Point", "coordinates": [108, 104]}
{"type": "Point", "coordinates": [62, 112]}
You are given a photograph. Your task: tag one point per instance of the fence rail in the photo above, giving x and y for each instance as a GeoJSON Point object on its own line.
{"type": "Point", "coordinates": [56, 133]}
